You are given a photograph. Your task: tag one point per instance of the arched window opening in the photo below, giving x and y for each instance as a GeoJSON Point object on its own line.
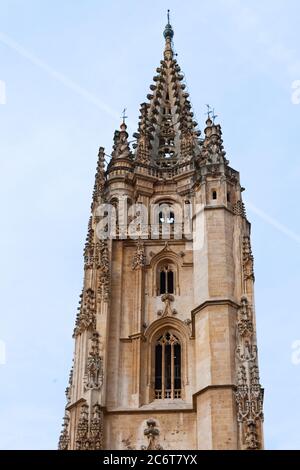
{"type": "Point", "coordinates": [170, 282]}
{"type": "Point", "coordinates": [168, 154]}
{"type": "Point", "coordinates": [115, 212]}
{"type": "Point", "coordinates": [167, 367]}
{"type": "Point", "coordinates": [166, 218]}
{"type": "Point", "coordinates": [214, 194]}
{"type": "Point", "coordinates": [166, 280]}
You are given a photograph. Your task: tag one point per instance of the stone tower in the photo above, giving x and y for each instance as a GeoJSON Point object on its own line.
{"type": "Point", "coordinates": [165, 338]}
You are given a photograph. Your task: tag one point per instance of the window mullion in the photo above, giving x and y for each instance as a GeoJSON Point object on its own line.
{"type": "Point", "coordinates": [167, 290]}
{"type": "Point", "coordinates": [163, 371]}
{"type": "Point", "coordinates": [172, 372]}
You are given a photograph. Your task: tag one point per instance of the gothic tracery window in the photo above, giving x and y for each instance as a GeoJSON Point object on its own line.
{"type": "Point", "coordinates": [167, 367]}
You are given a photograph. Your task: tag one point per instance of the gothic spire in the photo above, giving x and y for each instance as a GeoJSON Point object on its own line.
{"type": "Point", "coordinates": [167, 133]}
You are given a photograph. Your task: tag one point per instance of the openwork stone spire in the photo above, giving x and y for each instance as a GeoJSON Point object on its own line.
{"type": "Point", "coordinates": [167, 131]}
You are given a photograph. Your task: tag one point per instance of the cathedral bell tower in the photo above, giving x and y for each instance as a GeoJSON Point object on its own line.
{"type": "Point", "coordinates": [165, 338]}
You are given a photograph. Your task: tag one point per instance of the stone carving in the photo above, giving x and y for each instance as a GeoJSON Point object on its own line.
{"type": "Point", "coordinates": [99, 179]}
{"type": "Point", "coordinates": [152, 433]}
{"type": "Point", "coordinates": [232, 175]}
{"type": "Point", "coordinates": [239, 209]}
{"type": "Point", "coordinates": [249, 394]}
{"type": "Point", "coordinates": [143, 136]}
{"type": "Point", "coordinates": [187, 145]}
{"type": "Point", "coordinates": [248, 259]}
{"type": "Point", "coordinates": [121, 148]}
{"type": "Point", "coordinates": [91, 255]}
{"type": "Point", "coordinates": [244, 323]}
{"type": "Point", "coordinates": [127, 444]}
{"type": "Point", "coordinates": [167, 299]}
{"type": "Point", "coordinates": [68, 389]}
{"type": "Point", "coordinates": [246, 352]}
{"type": "Point", "coordinates": [64, 438]}
{"type": "Point", "coordinates": [251, 438]}
{"type": "Point", "coordinates": [139, 258]}
{"type": "Point", "coordinates": [94, 369]}
{"type": "Point", "coordinates": [242, 380]}
{"type": "Point", "coordinates": [103, 271]}
{"type": "Point", "coordinates": [90, 437]}
{"type": "Point", "coordinates": [82, 441]}
{"type": "Point", "coordinates": [212, 149]}
{"type": "Point", "coordinates": [89, 245]}
{"type": "Point", "coordinates": [96, 429]}
{"type": "Point", "coordinates": [86, 317]}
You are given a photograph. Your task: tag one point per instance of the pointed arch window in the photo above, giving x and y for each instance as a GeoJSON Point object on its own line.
{"type": "Point", "coordinates": [168, 367]}
{"type": "Point", "coordinates": [166, 280]}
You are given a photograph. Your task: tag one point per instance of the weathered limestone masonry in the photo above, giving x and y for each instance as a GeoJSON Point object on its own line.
{"type": "Point", "coordinates": [165, 337]}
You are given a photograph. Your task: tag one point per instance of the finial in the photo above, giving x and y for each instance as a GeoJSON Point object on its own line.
{"type": "Point", "coordinates": [214, 116]}
{"type": "Point", "coordinates": [209, 111]}
{"type": "Point", "coordinates": [123, 117]}
{"type": "Point", "coordinates": [168, 35]}
{"type": "Point", "coordinates": [168, 32]}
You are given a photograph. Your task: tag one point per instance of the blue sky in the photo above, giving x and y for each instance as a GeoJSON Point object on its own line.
{"type": "Point", "coordinates": [69, 68]}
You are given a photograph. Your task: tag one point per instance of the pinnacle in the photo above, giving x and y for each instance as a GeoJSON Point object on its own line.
{"type": "Point", "coordinates": [166, 134]}
{"type": "Point", "coordinates": [212, 150]}
{"type": "Point", "coordinates": [121, 147]}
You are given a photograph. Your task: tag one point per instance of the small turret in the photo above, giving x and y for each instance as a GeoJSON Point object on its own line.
{"type": "Point", "coordinates": [121, 157]}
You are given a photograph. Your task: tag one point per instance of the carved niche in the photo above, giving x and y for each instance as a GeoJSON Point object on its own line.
{"type": "Point", "coordinates": [93, 378]}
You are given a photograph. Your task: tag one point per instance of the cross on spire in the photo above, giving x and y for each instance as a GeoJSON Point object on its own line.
{"type": "Point", "coordinates": [168, 16]}
{"type": "Point", "coordinates": [214, 116]}
{"type": "Point", "coordinates": [124, 115]}
{"type": "Point", "coordinates": [209, 111]}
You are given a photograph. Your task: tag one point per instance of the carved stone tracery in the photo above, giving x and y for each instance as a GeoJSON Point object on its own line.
{"type": "Point", "coordinates": [89, 433]}
{"type": "Point", "coordinates": [249, 394]}
{"type": "Point", "coordinates": [82, 441]}
{"type": "Point", "coordinates": [103, 270]}
{"type": "Point", "coordinates": [248, 259]}
{"type": "Point", "coordinates": [64, 437]}
{"type": "Point", "coordinates": [139, 258]}
{"type": "Point", "coordinates": [96, 428]}
{"type": "Point", "coordinates": [86, 317]}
